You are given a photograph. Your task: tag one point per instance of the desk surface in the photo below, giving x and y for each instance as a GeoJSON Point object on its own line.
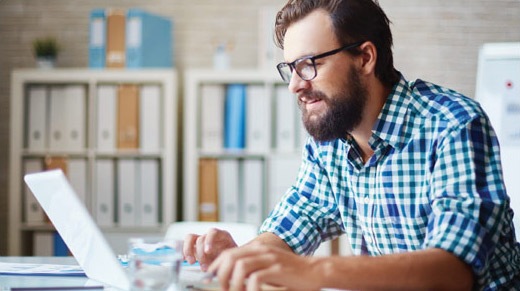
{"type": "Point", "coordinates": [31, 282]}
{"type": "Point", "coordinates": [63, 282]}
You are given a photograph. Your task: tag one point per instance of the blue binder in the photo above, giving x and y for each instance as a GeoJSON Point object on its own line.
{"type": "Point", "coordinates": [97, 39]}
{"type": "Point", "coordinates": [148, 40]}
{"type": "Point", "coordinates": [60, 248]}
{"type": "Point", "coordinates": [235, 117]}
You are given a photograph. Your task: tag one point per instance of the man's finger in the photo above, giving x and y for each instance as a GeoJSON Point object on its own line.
{"type": "Point", "coordinates": [200, 254]}
{"type": "Point", "coordinates": [188, 248]}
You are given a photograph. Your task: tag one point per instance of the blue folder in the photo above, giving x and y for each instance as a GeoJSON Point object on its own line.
{"type": "Point", "coordinates": [235, 116]}
{"type": "Point", "coordinates": [148, 40]}
{"type": "Point", "coordinates": [97, 39]}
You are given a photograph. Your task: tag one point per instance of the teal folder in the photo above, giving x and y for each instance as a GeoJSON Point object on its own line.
{"type": "Point", "coordinates": [148, 40]}
{"type": "Point", "coordinates": [97, 39]}
{"type": "Point", "coordinates": [235, 117]}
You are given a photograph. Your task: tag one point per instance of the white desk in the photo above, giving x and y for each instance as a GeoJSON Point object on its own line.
{"type": "Point", "coordinates": [19, 282]}
{"type": "Point", "coordinates": [52, 282]}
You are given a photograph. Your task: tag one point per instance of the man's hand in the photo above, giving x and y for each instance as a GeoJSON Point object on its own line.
{"type": "Point", "coordinates": [255, 264]}
{"type": "Point", "coordinates": [205, 248]}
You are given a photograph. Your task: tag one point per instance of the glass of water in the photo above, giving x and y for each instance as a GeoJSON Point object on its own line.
{"type": "Point", "coordinates": [153, 264]}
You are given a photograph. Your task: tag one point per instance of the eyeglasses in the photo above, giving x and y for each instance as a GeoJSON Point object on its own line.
{"type": "Point", "coordinates": [306, 67]}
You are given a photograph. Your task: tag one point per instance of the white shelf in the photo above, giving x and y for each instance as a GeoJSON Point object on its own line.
{"type": "Point", "coordinates": [91, 78]}
{"type": "Point", "coordinates": [193, 79]}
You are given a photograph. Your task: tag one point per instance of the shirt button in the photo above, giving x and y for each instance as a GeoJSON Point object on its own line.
{"type": "Point", "coordinates": [369, 239]}
{"type": "Point", "coordinates": [366, 200]}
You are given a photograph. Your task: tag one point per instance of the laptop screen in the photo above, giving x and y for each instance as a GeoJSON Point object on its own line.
{"type": "Point", "coordinates": [77, 228]}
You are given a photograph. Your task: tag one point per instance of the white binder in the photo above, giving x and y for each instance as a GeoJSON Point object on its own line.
{"type": "Point", "coordinates": [43, 244]}
{"type": "Point", "coordinates": [37, 118]}
{"type": "Point", "coordinates": [303, 135]}
{"type": "Point", "coordinates": [148, 193]}
{"type": "Point", "coordinates": [33, 211]}
{"type": "Point", "coordinates": [258, 119]}
{"type": "Point", "coordinates": [228, 190]}
{"type": "Point", "coordinates": [285, 119]}
{"type": "Point", "coordinates": [126, 191]}
{"type": "Point", "coordinates": [106, 117]}
{"type": "Point", "coordinates": [77, 174]}
{"type": "Point", "coordinates": [268, 53]}
{"type": "Point", "coordinates": [150, 118]}
{"type": "Point", "coordinates": [212, 117]}
{"type": "Point", "coordinates": [104, 192]}
{"type": "Point", "coordinates": [253, 191]}
{"type": "Point", "coordinates": [75, 112]}
{"type": "Point", "coordinates": [283, 171]}
{"type": "Point", "coordinates": [58, 118]}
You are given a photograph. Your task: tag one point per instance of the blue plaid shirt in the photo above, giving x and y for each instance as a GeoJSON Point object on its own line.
{"type": "Point", "coordinates": [434, 181]}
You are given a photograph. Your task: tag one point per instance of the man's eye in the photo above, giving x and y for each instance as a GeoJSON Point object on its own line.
{"type": "Point", "coordinates": [304, 64]}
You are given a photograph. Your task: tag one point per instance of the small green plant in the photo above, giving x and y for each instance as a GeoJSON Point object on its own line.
{"type": "Point", "coordinates": [45, 47]}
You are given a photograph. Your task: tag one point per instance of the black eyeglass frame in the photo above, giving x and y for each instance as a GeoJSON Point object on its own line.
{"type": "Point", "coordinates": [292, 65]}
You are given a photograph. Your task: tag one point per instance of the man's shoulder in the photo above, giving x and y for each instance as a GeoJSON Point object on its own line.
{"type": "Point", "coordinates": [437, 101]}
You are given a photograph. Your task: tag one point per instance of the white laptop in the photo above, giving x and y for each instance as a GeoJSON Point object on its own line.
{"type": "Point", "coordinates": [81, 234]}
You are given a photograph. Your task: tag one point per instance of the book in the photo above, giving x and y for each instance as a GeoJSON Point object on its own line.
{"type": "Point", "coordinates": [147, 206]}
{"type": "Point", "coordinates": [106, 122]}
{"type": "Point", "coordinates": [285, 119]}
{"type": "Point", "coordinates": [59, 247]}
{"type": "Point", "coordinates": [283, 170]}
{"type": "Point", "coordinates": [57, 118]}
{"type": "Point", "coordinates": [43, 244]}
{"type": "Point", "coordinates": [33, 212]}
{"type": "Point", "coordinates": [235, 110]}
{"type": "Point", "coordinates": [104, 189]}
{"type": "Point", "coordinates": [253, 191]}
{"type": "Point", "coordinates": [115, 47]}
{"type": "Point", "coordinates": [228, 190]}
{"type": "Point", "coordinates": [126, 192]}
{"type": "Point", "coordinates": [258, 119]}
{"type": "Point", "coordinates": [269, 55]}
{"type": "Point", "coordinates": [56, 162]}
{"type": "Point", "coordinates": [75, 114]}
{"type": "Point", "coordinates": [212, 98]}
{"type": "Point", "coordinates": [67, 121]}
{"type": "Point", "coordinates": [208, 190]}
{"type": "Point", "coordinates": [77, 175]}
{"type": "Point", "coordinates": [37, 136]}
{"type": "Point", "coordinates": [97, 39]}
{"type": "Point", "coordinates": [148, 40]}
{"type": "Point", "coordinates": [128, 117]}
{"type": "Point", "coordinates": [150, 118]}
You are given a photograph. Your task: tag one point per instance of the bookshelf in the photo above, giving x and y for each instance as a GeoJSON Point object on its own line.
{"type": "Point", "coordinates": [75, 102]}
{"type": "Point", "coordinates": [275, 163]}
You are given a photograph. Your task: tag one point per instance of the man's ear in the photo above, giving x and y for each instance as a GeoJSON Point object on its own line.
{"type": "Point", "coordinates": [368, 57]}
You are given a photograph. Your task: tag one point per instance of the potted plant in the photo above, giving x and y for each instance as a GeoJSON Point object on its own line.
{"type": "Point", "coordinates": [45, 50]}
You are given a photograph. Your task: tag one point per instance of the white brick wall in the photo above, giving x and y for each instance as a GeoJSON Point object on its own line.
{"type": "Point", "coordinates": [433, 40]}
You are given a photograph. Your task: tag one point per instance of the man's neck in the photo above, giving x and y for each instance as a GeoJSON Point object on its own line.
{"type": "Point", "coordinates": [377, 95]}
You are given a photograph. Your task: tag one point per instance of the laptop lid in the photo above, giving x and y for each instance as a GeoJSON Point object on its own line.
{"type": "Point", "coordinates": [77, 228]}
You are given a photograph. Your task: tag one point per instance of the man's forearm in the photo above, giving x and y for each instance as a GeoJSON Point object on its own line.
{"type": "Point", "coordinates": [432, 269]}
{"type": "Point", "coordinates": [269, 238]}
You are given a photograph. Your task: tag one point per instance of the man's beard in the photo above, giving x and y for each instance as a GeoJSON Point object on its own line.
{"type": "Point", "coordinates": [344, 111]}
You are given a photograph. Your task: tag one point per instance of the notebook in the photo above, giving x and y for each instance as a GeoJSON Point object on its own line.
{"type": "Point", "coordinates": [82, 236]}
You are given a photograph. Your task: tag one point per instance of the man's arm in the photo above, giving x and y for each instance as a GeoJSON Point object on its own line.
{"type": "Point", "coordinates": [432, 269]}
{"type": "Point", "coordinates": [268, 238]}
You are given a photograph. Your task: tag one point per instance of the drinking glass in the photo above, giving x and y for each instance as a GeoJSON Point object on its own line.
{"type": "Point", "coordinates": [154, 264]}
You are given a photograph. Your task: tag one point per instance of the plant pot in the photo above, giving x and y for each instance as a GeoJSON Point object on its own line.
{"type": "Point", "coordinates": [45, 62]}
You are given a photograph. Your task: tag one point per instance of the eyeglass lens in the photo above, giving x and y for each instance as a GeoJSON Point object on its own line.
{"type": "Point", "coordinates": [305, 68]}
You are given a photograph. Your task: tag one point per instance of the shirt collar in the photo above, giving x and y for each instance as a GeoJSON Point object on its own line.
{"type": "Point", "coordinates": [390, 123]}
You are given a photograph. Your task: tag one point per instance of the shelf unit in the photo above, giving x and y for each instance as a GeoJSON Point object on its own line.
{"type": "Point", "coordinates": [194, 79]}
{"type": "Point", "coordinates": [20, 232]}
